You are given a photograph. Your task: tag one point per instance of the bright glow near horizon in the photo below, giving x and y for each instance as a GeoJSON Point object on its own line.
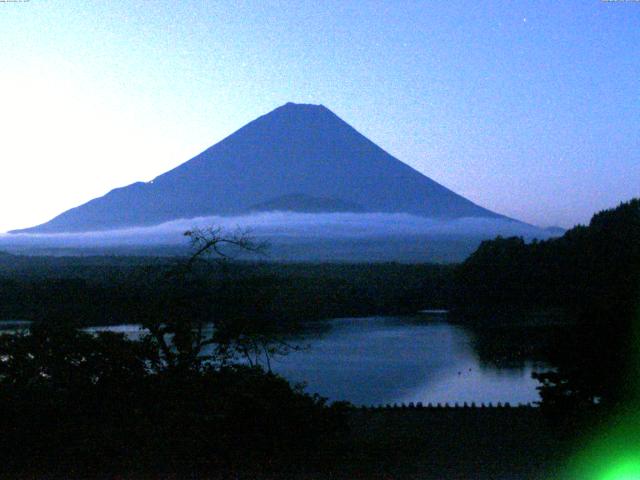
{"type": "Point", "coordinates": [539, 120]}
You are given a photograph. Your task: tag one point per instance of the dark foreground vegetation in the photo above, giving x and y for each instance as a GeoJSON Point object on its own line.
{"type": "Point", "coordinates": [472, 443]}
{"type": "Point", "coordinates": [74, 404]}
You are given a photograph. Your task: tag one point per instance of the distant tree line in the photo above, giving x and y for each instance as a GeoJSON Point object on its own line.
{"type": "Point", "coordinates": [33, 288]}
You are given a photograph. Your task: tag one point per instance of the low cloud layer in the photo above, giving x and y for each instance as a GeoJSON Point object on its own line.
{"type": "Point", "coordinates": [289, 226]}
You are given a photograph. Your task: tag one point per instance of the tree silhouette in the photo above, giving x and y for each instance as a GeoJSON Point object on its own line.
{"type": "Point", "coordinates": [189, 330]}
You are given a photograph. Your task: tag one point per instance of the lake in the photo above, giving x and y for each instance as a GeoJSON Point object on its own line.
{"type": "Point", "coordinates": [380, 360]}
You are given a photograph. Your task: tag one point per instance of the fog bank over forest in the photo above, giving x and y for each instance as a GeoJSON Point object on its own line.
{"type": "Point", "coordinates": [391, 233]}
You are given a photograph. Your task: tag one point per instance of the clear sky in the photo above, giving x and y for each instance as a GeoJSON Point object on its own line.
{"type": "Point", "coordinates": [531, 109]}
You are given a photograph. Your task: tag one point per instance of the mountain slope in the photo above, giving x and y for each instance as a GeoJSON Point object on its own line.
{"type": "Point", "coordinates": [306, 204]}
{"type": "Point", "coordinates": [293, 150]}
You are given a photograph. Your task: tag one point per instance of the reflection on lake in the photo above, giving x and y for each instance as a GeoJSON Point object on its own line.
{"type": "Point", "coordinates": [403, 359]}
{"type": "Point", "coordinates": [422, 358]}
{"type": "Point", "coordinates": [10, 326]}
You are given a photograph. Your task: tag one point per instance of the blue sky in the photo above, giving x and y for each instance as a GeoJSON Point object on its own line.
{"type": "Point", "coordinates": [531, 109]}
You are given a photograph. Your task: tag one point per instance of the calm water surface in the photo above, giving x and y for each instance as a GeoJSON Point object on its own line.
{"type": "Point", "coordinates": [379, 360]}
{"type": "Point", "coordinates": [403, 359]}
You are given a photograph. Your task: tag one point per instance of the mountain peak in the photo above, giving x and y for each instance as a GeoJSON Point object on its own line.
{"type": "Point", "coordinates": [292, 105]}
{"type": "Point", "coordinates": [297, 109]}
